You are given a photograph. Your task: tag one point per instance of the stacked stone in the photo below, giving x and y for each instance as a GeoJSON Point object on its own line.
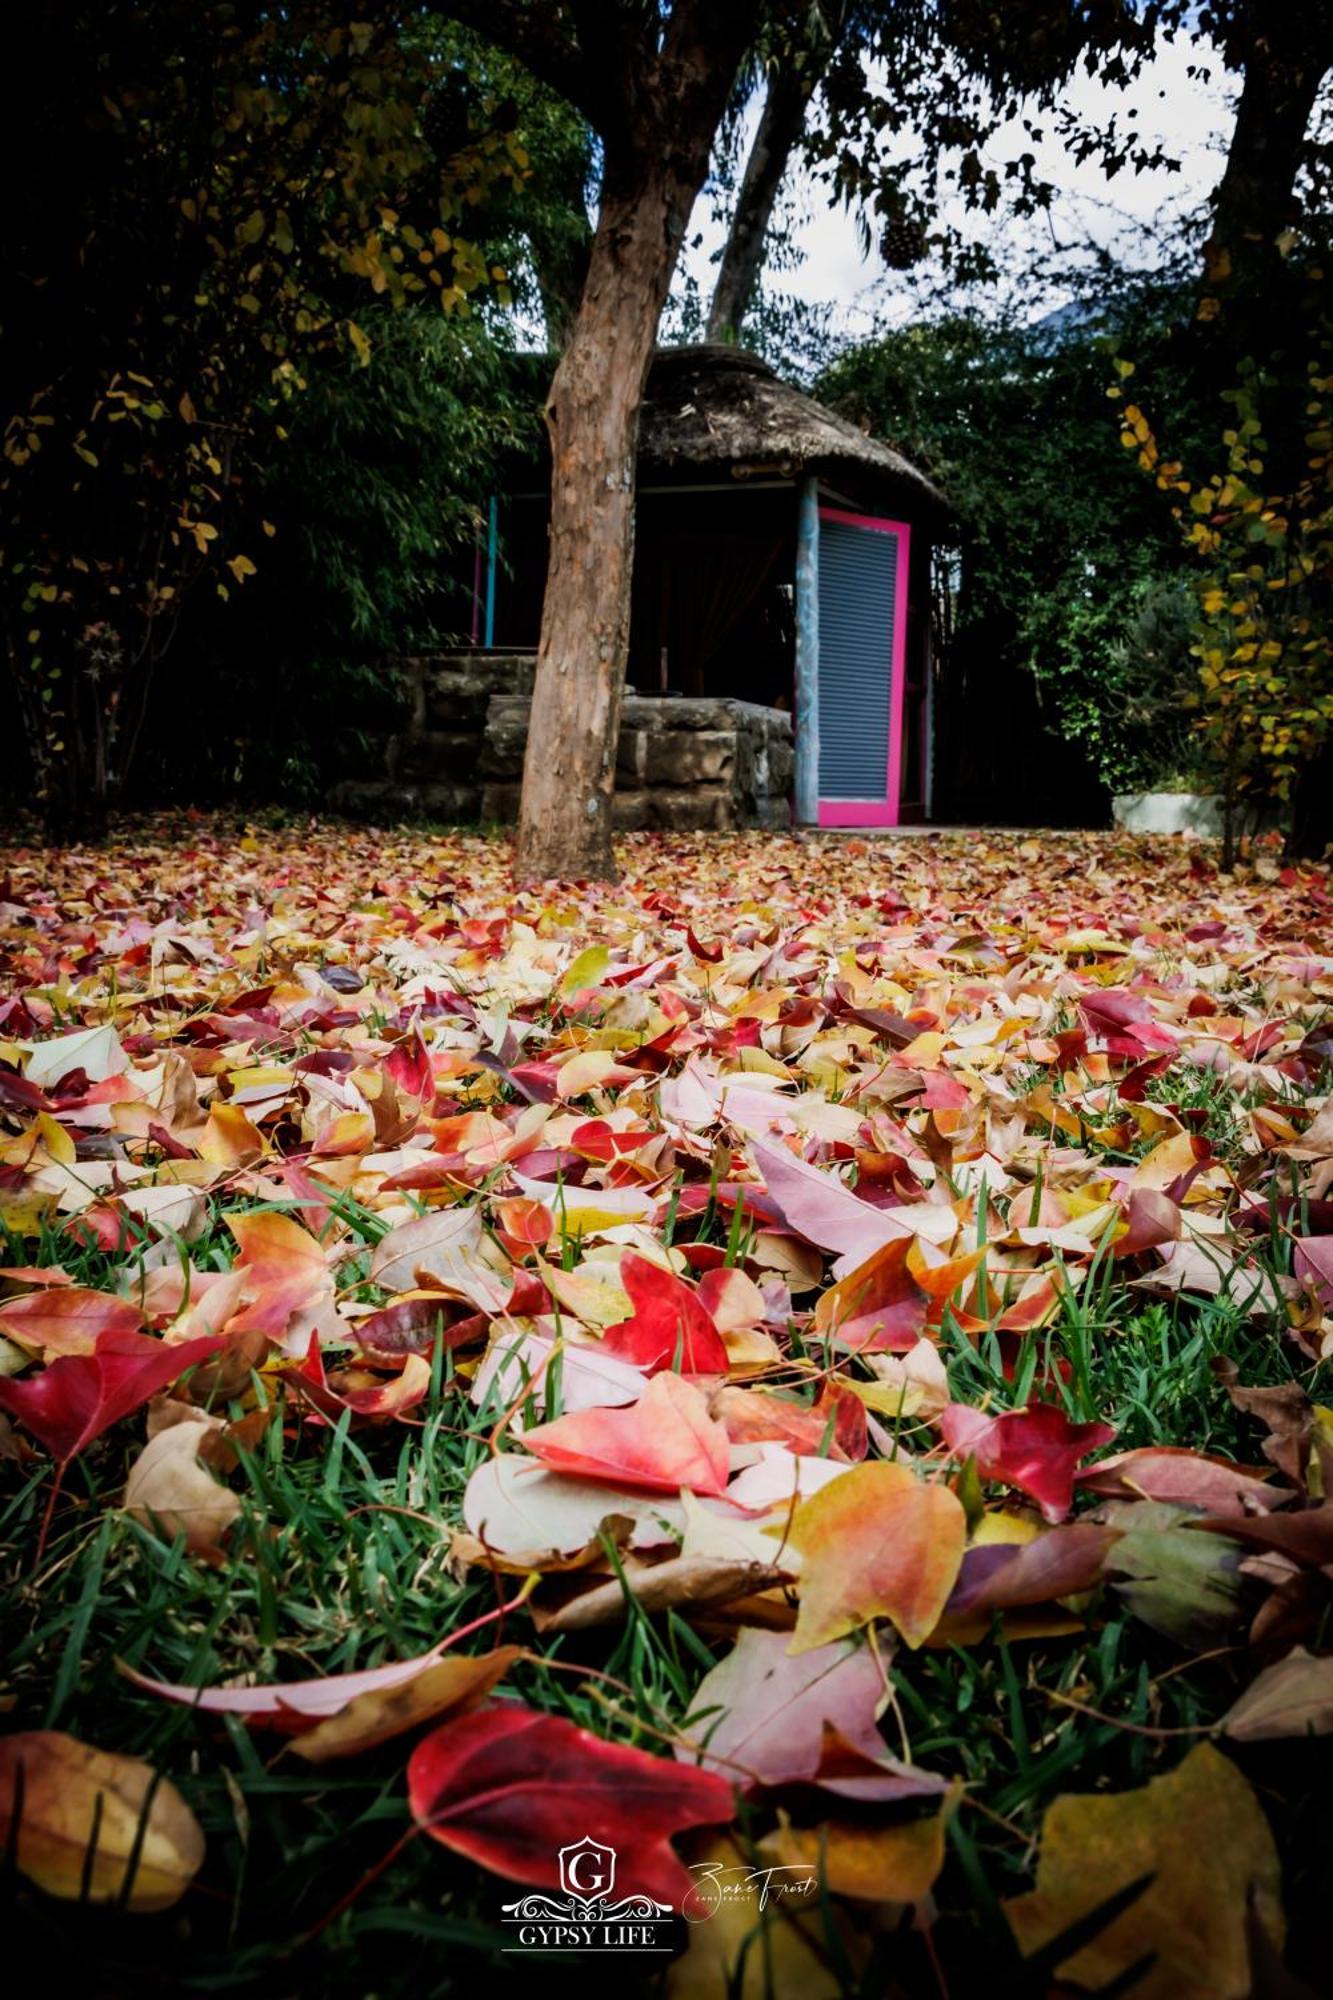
{"type": "Point", "coordinates": [682, 765]}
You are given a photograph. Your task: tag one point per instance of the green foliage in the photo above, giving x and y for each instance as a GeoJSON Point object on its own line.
{"type": "Point", "coordinates": [1263, 577]}
{"type": "Point", "coordinates": [376, 500]}
{"type": "Point", "coordinates": [210, 194]}
{"type": "Point", "coordinates": [1064, 564]}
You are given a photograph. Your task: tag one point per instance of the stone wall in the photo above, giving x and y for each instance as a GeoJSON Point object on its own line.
{"type": "Point", "coordinates": [429, 767]}
{"type": "Point", "coordinates": [683, 764]}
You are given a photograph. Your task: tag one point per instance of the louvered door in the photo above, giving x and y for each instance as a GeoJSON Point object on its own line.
{"type": "Point", "coordinates": [862, 648]}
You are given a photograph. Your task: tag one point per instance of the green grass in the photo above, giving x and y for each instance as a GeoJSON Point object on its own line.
{"type": "Point", "coordinates": [342, 1560]}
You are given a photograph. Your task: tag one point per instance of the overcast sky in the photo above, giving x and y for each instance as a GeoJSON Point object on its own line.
{"type": "Point", "coordinates": [1191, 118]}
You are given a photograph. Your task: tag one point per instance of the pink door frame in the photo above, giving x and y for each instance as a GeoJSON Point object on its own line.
{"type": "Point", "coordinates": [885, 811]}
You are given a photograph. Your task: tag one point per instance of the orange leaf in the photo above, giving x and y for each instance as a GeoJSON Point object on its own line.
{"type": "Point", "coordinates": [663, 1442]}
{"type": "Point", "coordinates": [879, 1542]}
{"type": "Point", "coordinates": [284, 1267]}
{"type": "Point", "coordinates": [66, 1319]}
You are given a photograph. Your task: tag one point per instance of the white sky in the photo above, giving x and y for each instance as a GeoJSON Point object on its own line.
{"type": "Point", "coordinates": [1191, 117]}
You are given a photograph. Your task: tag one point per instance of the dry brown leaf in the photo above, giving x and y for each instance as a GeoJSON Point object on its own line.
{"type": "Point", "coordinates": [64, 1795]}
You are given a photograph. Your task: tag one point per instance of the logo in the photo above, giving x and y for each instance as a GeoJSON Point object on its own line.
{"type": "Point", "coordinates": [587, 1868]}
{"type": "Point", "coordinates": [717, 1886]}
{"type": "Point", "coordinates": [588, 1917]}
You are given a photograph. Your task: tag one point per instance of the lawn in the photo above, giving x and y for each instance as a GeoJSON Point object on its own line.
{"type": "Point", "coordinates": [816, 1352]}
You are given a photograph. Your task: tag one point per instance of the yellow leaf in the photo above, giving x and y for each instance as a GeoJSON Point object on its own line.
{"type": "Point", "coordinates": [585, 970]}
{"type": "Point", "coordinates": [750, 1949]}
{"type": "Point", "coordinates": [72, 1793]}
{"type": "Point", "coordinates": [1202, 1835]}
{"type": "Point", "coordinates": [444, 1687]}
{"type": "Point", "coordinates": [877, 1542]}
{"type": "Point", "coordinates": [229, 1139]}
{"type": "Point", "coordinates": [877, 1864]}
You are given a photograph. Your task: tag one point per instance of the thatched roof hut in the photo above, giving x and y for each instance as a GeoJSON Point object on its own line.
{"type": "Point", "coordinates": [724, 409]}
{"type": "Point", "coordinates": [782, 558]}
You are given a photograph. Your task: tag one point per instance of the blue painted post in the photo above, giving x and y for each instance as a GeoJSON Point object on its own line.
{"type": "Point", "coordinates": [807, 657]}
{"type": "Point", "coordinates": [492, 556]}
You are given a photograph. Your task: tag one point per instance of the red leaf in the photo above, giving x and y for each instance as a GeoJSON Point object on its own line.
{"type": "Point", "coordinates": [851, 1433]}
{"type": "Point", "coordinates": [509, 1787]}
{"type": "Point", "coordinates": [66, 1319]}
{"type": "Point", "coordinates": [669, 1329]}
{"type": "Point", "coordinates": [410, 1067]}
{"type": "Point", "coordinates": [1035, 1450]}
{"type": "Point", "coordinates": [663, 1442]}
{"type": "Point", "coordinates": [80, 1396]}
{"type": "Point", "coordinates": [755, 1416]}
{"type": "Point", "coordinates": [1151, 1218]}
{"type": "Point", "coordinates": [1185, 1479]}
{"type": "Point", "coordinates": [879, 1307]}
{"type": "Point", "coordinates": [1314, 1266]}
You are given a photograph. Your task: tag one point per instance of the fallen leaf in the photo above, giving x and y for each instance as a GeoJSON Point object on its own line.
{"type": "Point", "coordinates": [75, 1399]}
{"type": "Point", "coordinates": [95, 1051]}
{"type": "Point", "coordinates": [750, 1945]}
{"type": "Point", "coordinates": [507, 1787]}
{"type": "Point", "coordinates": [441, 1252]}
{"type": "Point", "coordinates": [168, 1488]}
{"type": "Point", "coordinates": [1184, 1478]}
{"type": "Point", "coordinates": [448, 1686]}
{"type": "Point", "coordinates": [1294, 1697]}
{"type": "Point", "coordinates": [669, 1328]}
{"type": "Point", "coordinates": [758, 1717]}
{"type": "Point", "coordinates": [879, 1543]}
{"type": "Point", "coordinates": [285, 1272]}
{"type": "Point", "coordinates": [1201, 1835]}
{"type": "Point", "coordinates": [66, 1319]}
{"type": "Point", "coordinates": [663, 1442]}
{"type": "Point", "coordinates": [1034, 1450]}
{"type": "Point", "coordinates": [896, 1863]}
{"type": "Point", "coordinates": [1185, 1585]}
{"type": "Point", "coordinates": [72, 1802]}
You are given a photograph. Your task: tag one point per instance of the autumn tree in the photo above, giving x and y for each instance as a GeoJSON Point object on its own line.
{"type": "Point", "coordinates": [654, 81]}
{"type": "Point", "coordinates": [1262, 543]}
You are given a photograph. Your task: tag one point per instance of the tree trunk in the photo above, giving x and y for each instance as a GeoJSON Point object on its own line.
{"type": "Point", "coordinates": [789, 92]}
{"type": "Point", "coordinates": [1287, 56]}
{"type": "Point", "coordinates": [593, 418]}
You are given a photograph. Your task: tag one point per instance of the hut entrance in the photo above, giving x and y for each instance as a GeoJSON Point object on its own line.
{"type": "Point", "coordinates": [712, 606]}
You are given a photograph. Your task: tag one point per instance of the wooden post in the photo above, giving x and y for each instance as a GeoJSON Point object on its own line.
{"type": "Point", "coordinates": [807, 657]}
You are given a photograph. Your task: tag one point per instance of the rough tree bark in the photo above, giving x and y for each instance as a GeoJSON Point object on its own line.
{"type": "Point", "coordinates": [655, 89]}
{"type": "Point", "coordinates": [790, 88]}
{"type": "Point", "coordinates": [592, 416]}
{"type": "Point", "coordinates": [1284, 54]}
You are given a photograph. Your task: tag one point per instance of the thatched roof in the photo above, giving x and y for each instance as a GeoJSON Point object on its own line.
{"type": "Point", "coordinates": [722, 409]}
